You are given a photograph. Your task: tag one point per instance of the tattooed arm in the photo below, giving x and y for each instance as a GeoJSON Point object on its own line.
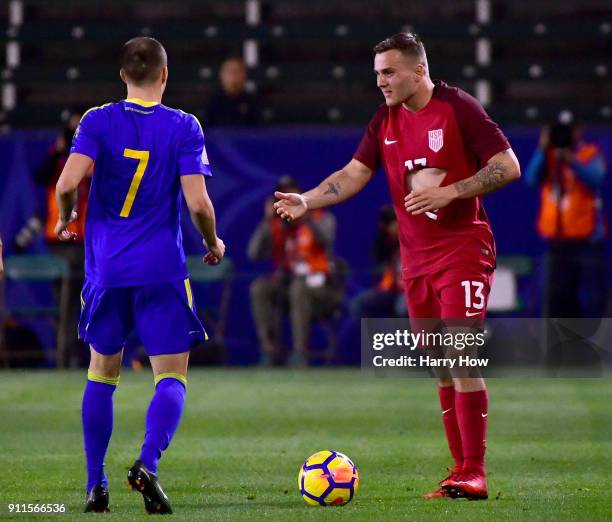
{"type": "Point", "coordinates": [338, 187]}
{"type": "Point", "coordinates": [500, 170]}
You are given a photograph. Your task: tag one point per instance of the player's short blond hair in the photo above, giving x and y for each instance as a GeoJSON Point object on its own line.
{"type": "Point", "coordinates": [407, 43]}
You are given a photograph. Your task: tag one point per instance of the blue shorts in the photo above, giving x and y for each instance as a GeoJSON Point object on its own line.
{"type": "Point", "coordinates": [163, 316]}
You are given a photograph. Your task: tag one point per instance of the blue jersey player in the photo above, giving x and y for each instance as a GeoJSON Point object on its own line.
{"type": "Point", "coordinates": [144, 155]}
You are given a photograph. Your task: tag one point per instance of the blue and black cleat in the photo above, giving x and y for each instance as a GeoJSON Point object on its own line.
{"type": "Point", "coordinates": [97, 500]}
{"type": "Point", "coordinates": [142, 480]}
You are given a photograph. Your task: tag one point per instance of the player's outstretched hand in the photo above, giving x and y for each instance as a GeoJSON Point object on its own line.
{"type": "Point", "coordinates": [290, 206]}
{"type": "Point", "coordinates": [61, 229]}
{"type": "Point", "coordinates": [428, 199]}
{"type": "Point", "coordinates": [215, 253]}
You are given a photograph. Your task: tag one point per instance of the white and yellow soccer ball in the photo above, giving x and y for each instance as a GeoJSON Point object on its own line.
{"type": "Point", "coordinates": [328, 478]}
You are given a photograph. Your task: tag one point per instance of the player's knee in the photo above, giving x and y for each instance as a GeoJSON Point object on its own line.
{"type": "Point", "coordinates": [174, 364]}
{"type": "Point", "coordinates": [105, 366]}
{"type": "Point", "coordinates": [444, 376]}
{"type": "Point", "coordinates": [469, 384]}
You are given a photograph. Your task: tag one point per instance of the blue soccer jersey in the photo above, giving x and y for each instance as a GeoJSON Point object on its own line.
{"type": "Point", "coordinates": [140, 150]}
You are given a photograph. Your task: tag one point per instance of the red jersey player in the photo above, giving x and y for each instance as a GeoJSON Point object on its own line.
{"type": "Point", "coordinates": [441, 152]}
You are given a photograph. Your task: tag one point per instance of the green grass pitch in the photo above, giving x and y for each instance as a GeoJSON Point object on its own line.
{"type": "Point", "coordinates": [245, 433]}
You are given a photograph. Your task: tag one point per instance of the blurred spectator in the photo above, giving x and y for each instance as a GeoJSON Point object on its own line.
{"type": "Point", "coordinates": [304, 282]}
{"type": "Point", "coordinates": [386, 299]}
{"type": "Point", "coordinates": [46, 176]}
{"type": "Point", "coordinates": [570, 173]}
{"type": "Point", "coordinates": [45, 218]}
{"type": "Point", "coordinates": [232, 105]}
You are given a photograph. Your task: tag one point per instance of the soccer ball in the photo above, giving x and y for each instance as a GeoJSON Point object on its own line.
{"type": "Point", "coordinates": [328, 478]}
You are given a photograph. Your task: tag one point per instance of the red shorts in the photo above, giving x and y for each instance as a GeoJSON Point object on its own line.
{"type": "Point", "coordinates": [457, 293]}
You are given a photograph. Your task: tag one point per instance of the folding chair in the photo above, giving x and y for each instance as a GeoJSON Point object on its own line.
{"type": "Point", "coordinates": [39, 269]}
{"type": "Point", "coordinates": [329, 318]}
{"type": "Point", "coordinates": [505, 296]}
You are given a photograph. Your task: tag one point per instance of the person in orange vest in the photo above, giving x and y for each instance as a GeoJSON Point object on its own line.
{"type": "Point", "coordinates": [569, 173]}
{"type": "Point", "coordinates": [46, 176]}
{"type": "Point", "coordinates": [303, 281]}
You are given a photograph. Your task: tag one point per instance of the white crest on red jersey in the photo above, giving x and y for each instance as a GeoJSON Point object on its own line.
{"type": "Point", "coordinates": [436, 139]}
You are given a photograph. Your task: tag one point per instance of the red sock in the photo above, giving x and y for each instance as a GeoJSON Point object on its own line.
{"type": "Point", "coordinates": [449, 419]}
{"type": "Point", "coordinates": [472, 411]}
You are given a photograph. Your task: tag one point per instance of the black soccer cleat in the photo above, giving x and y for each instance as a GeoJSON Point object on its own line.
{"type": "Point", "coordinates": [97, 500]}
{"type": "Point", "coordinates": [142, 480]}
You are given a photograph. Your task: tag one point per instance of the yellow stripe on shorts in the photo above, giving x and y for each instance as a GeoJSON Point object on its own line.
{"type": "Point", "coordinates": [159, 377]}
{"type": "Point", "coordinates": [91, 376]}
{"type": "Point", "coordinates": [189, 294]}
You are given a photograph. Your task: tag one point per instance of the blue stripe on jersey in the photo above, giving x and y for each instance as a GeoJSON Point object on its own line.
{"type": "Point", "coordinates": [132, 230]}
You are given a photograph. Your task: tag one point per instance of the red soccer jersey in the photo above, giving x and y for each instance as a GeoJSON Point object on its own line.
{"type": "Point", "coordinates": [452, 132]}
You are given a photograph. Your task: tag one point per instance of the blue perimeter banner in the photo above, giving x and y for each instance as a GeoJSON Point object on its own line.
{"type": "Point", "coordinates": [246, 165]}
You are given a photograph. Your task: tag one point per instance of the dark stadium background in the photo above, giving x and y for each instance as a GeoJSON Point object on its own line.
{"type": "Point", "coordinates": [310, 63]}
{"type": "Point", "coordinates": [245, 432]}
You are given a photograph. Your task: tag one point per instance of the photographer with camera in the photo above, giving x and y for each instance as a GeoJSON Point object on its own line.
{"type": "Point", "coordinates": [570, 174]}
{"type": "Point", "coordinates": [304, 283]}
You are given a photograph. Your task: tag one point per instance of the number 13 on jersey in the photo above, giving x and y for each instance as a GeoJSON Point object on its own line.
{"type": "Point", "coordinates": [143, 159]}
{"type": "Point", "coordinates": [477, 299]}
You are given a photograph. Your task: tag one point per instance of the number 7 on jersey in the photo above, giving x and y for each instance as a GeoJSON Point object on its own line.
{"type": "Point", "coordinates": [143, 159]}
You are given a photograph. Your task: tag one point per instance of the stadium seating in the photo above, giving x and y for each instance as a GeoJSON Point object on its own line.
{"type": "Point", "coordinates": [311, 62]}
